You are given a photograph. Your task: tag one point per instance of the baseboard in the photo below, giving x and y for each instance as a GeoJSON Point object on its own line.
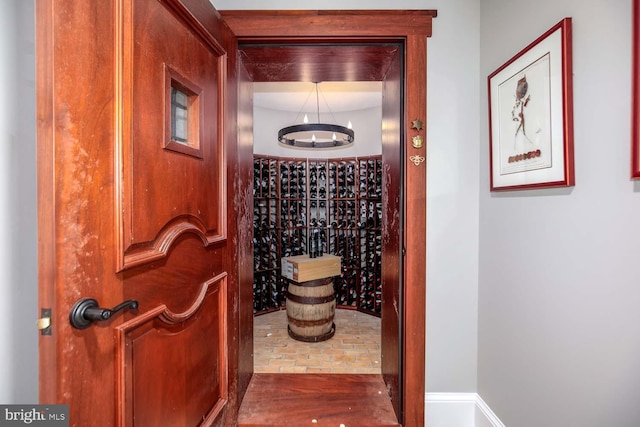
{"type": "Point", "coordinates": [486, 412]}
{"type": "Point", "coordinates": [458, 409]}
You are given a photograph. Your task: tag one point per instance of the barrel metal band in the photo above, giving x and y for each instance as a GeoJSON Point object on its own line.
{"type": "Point", "coordinates": [313, 283]}
{"type": "Point", "coordinates": [308, 323]}
{"type": "Point", "coordinates": [317, 338]}
{"type": "Point", "coordinates": [310, 300]}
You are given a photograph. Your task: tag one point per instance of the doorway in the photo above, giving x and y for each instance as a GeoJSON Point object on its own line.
{"type": "Point", "coordinates": [334, 194]}
{"type": "Point", "coordinates": [380, 62]}
{"type": "Point", "coordinates": [411, 28]}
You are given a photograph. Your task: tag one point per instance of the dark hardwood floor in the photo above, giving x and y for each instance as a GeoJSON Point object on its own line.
{"type": "Point", "coordinates": [300, 400]}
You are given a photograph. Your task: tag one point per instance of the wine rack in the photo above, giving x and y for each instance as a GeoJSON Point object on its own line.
{"type": "Point", "coordinates": [370, 224]}
{"type": "Point", "coordinates": [293, 207]}
{"type": "Point", "coordinates": [318, 202]}
{"type": "Point", "coordinates": [342, 230]}
{"type": "Point", "coordinates": [334, 202]}
{"type": "Point", "coordinates": [267, 288]}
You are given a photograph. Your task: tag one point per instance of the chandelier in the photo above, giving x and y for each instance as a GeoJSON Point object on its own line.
{"type": "Point", "coordinates": [316, 135]}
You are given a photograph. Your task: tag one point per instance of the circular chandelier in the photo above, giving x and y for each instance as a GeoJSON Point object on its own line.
{"type": "Point", "coordinates": [316, 135]}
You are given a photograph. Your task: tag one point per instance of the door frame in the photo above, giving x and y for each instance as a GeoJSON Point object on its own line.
{"type": "Point", "coordinates": [412, 28]}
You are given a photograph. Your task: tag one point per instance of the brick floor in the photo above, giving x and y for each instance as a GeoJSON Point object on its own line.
{"type": "Point", "coordinates": [355, 347]}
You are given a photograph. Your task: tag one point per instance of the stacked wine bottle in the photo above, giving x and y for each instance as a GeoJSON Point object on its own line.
{"type": "Point", "coordinates": [342, 231]}
{"type": "Point", "coordinates": [267, 288]}
{"type": "Point", "coordinates": [319, 206]}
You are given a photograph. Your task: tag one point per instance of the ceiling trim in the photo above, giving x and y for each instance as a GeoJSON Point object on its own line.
{"type": "Point", "coordinates": [265, 24]}
{"type": "Point", "coordinates": [318, 62]}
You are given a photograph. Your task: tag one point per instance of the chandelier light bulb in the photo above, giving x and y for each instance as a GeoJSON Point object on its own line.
{"type": "Point", "coordinates": [349, 126]}
{"type": "Point", "coordinates": [324, 135]}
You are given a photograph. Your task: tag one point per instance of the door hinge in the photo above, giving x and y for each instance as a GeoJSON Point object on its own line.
{"type": "Point", "coordinates": [44, 322]}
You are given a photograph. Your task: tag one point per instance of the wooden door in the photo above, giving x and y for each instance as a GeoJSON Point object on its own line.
{"type": "Point", "coordinates": [392, 230]}
{"type": "Point", "coordinates": [134, 205]}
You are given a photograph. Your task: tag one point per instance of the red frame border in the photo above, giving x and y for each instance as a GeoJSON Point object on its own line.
{"type": "Point", "coordinates": [567, 109]}
{"type": "Point", "coordinates": [635, 102]}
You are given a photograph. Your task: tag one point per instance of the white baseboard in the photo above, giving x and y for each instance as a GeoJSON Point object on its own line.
{"type": "Point", "coordinates": [483, 410]}
{"type": "Point", "coordinates": [458, 410]}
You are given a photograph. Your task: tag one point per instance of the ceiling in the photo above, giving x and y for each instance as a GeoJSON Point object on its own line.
{"type": "Point", "coordinates": [332, 96]}
{"type": "Point", "coordinates": [349, 75]}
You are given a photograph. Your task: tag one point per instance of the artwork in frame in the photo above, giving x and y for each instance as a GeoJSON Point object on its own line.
{"type": "Point", "coordinates": [635, 118]}
{"type": "Point", "coordinates": [531, 115]}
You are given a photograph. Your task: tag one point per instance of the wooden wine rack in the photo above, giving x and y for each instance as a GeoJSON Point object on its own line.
{"type": "Point", "coordinates": [341, 200]}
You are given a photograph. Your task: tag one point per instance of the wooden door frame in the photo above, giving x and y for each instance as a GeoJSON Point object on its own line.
{"type": "Point", "coordinates": [411, 27]}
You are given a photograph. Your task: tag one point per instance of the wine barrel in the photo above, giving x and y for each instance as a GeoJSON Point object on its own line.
{"type": "Point", "coordinates": [311, 307]}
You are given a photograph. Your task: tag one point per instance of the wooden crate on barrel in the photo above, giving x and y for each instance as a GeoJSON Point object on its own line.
{"type": "Point", "coordinates": [302, 268]}
{"type": "Point", "coordinates": [311, 300]}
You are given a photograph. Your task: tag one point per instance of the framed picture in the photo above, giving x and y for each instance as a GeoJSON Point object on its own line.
{"type": "Point", "coordinates": [531, 115]}
{"type": "Point", "coordinates": [635, 118]}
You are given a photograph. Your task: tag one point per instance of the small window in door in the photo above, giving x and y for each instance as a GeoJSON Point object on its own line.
{"type": "Point", "coordinates": [179, 116]}
{"type": "Point", "coordinates": [182, 121]}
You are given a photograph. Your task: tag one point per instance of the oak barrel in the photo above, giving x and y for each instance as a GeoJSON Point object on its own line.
{"type": "Point", "coordinates": [311, 307]}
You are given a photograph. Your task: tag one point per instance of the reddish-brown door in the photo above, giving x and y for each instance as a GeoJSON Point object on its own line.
{"type": "Point", "coordinates": [392, 229]}
{"type": "Point", "coordinates": [139, 168]}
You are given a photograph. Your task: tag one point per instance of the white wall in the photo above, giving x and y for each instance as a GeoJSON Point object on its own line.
{"type": "Point", "coordinates": [452, 188]}
{"type": "Point", "coordinates": [559, 324]}
{"type": "Point", "coordinates": [453, 58]}
{"type": "Point", "coordinates": [18, 264]}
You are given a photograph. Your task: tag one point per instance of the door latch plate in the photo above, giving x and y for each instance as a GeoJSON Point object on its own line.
{"type": "Point", "coordinates": [44, 322]}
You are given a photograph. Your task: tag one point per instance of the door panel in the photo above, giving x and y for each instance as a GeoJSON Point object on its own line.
{"type": "Point", "coordinates": [172, 373]}
{"type": "Point", "coordinates": [243, 207]}
{"type": "Point", "coordinates": [173, 359]}
{"type": "Point", "coordinates": [169, 187]}
{"type": "Point", "coordinates": [392, 223]}
{"type": "Point", "coordinates": [76, 231]}
{"type": "Point", "coordinates": [130, 212]}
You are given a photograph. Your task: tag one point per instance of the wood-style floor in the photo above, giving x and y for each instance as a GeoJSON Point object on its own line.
{"type": "Point", "coordinates": [323, 400]}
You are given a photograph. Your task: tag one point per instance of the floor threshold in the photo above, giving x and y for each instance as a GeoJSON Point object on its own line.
{"type": "Point", "coordinates": [317, 400]}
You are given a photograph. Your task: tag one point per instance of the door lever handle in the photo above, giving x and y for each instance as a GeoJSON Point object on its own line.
{"type": "Point", "coordinates": [87, 310]}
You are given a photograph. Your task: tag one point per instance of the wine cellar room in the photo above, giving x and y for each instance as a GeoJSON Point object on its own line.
{"type": "Point", "coordinates": [317, 191]}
